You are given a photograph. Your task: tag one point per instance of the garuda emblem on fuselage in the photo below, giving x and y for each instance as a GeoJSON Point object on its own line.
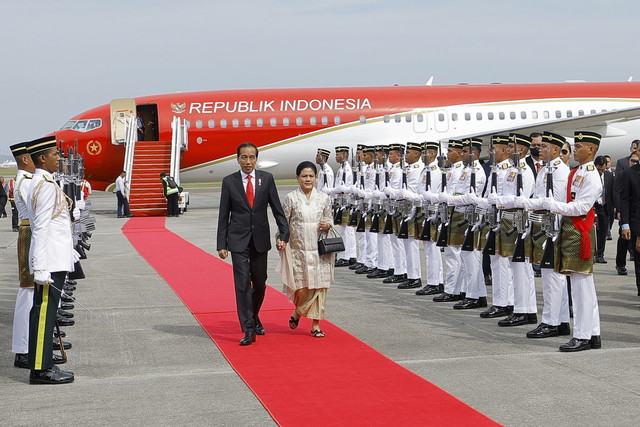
{"type": "Point", "coordinates": [178, 108]}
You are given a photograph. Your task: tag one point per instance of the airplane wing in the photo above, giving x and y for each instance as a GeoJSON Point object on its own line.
{"type": "Point", "coordinates": [602, 123]}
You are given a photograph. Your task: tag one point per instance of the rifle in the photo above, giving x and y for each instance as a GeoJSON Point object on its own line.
{"type": "Point", "coordinates": [443, 208]}
{"type": "Point", "coordinates": [520, 217]}
{"type": "Point", "coordinates": [403, 228]}
{"type": "Point", "coordinates": [339, 199]}
{"type": "Point", "coordinates": [375, 206]}
{"type": "Point", "coordinates": [492, 211]}
{"type": "Point", "coordinates": [389, 207]}
{"type": "Point", "coordinates": [360, 226]}
{"type": "Point", "coordinates": [549, 223]}
{"type": "Point", "coordinates": [426, 225]}
{"type": "Point", "coordinates": [469, 211]}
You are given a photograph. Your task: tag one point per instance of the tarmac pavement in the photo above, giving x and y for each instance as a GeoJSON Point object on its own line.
{"type": "Point", "coordinates": [141, 358]}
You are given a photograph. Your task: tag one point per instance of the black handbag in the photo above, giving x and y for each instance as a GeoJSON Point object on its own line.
{"type": "Point", "coordinates": [330, 244]}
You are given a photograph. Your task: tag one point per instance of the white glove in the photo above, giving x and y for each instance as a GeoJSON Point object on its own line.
{"type": "Point", "coordinates": [379, 195]}
{"type": "Point", "coordinates": [326, 190]}
{"type": "Point", "coordinates": [362, 193]}
{"type": "Point", "coordinates": [549, 203]}
{"type": "Point", "coordinates": [482, 203]}
{"type": "Point", "coordinates": [492, 199]}
{"type": "Point", "coordinates": [532, 204]}
{"type": "Point", "coordinates": [388, 191]}
{"type": "Point", "coordinates": [76, 213]}
{"type": "Point", "coordinates": [80, 204]}
{"type": "Point", "coordinates": [506, 202]}
{"type": "Point", "coordinates": [75, 256]}
{"type": "Point", "coordinates": [42, 277]}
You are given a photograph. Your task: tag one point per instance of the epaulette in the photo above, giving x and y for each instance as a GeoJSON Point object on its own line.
{"type": "Point", "coordinates": [434, 167]}
{"type": "Point", "coordinates": [416, 165]}
{"type": "Point", "coordinates": [523, 164]}
{"type": "Point", "coordinates": [505, 165]}
{"type": "Point", "coordinates": [459, 165]}
{"type": "Point", "coordinates": [28, 175]}
{"type": "Point", "coordinates": [591, 168]}
{"type": "Point", "coordinates": [49, 179]}
{"type": "Point", "coordinates": [557, 162]}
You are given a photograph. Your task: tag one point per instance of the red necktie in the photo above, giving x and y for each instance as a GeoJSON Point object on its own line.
{"type": "Point", "coordinates": [250, 191]}
{"type": "Point", "coordinates": [538, 167]}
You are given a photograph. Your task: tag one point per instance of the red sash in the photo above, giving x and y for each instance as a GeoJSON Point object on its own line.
{"type": "Point", "coordinates": [583, 225]}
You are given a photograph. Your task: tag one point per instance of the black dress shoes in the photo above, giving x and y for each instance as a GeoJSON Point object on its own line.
{"type": "Point", "coordinates": [377, 274]}
{"type": "Point", "coordinates": [50, 376]}
{"type": "Point", "coordinates": [514, 319]}
{"type": "Point", "coordinates": [260, 330]}
{"type": "Point", "coordinates": [63, 321]}
{"type": "Point", "coordinates": [576, 345]}
{"type": "Point", "coordinates": [67, 306]}
{"type": "Point", "coordinates": [495, 311]}
{"type": "Point", "coordinates": [564, 329]}
{"type": "Point", "coordinates": [356, 266]}
{"type": "Point", "coordinates": [468, 303]}
{"type": "Point", "coordinates": [445, 297]}
{"type": "Point", "coordinates": [410, 284]}
{"type": "Point", "coordinates": [543, 331]}
{"type": "Point", "coordinates": [365, 270]}
{"type": "Point", "coordinates": [249, 337]}
{"type": "Point", "coordinates": [595, 341]}
{"type": "Point", "coordinates": [62, 334]}
{"type": "Point", "coordinates": [67, 314]}
{"type": "Point", "coordinates": [622, 271]}
{"type": "Point", "coordinates": [430, 290]}
{"type": "Point", "coordinates": [21, 361]}
{"type": "Point", "coordinates": [67, 298]}
{"type": "Point", "coordinates": [56, 345]}
{"type": "Point", "coordinates": [396, 278]}
{"type": "Point", "coordinates": [58, 359]}
{"type": "Point", "coordinates": [600, 260]}
{"type": "Point", "coordinates": [339, 263]}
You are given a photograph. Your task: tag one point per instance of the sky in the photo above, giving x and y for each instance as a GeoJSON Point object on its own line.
{"type": "Point", "coordinates": [62, 57]}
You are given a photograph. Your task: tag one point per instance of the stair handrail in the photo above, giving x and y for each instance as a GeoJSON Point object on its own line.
{"type": "Point", "coordinates": [130, 144]}
{"type": "Point", "coordinates": [179, 141]}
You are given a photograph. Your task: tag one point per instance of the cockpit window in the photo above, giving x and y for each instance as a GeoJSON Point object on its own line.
{"type": "Point", "coordinates": [83, 125]}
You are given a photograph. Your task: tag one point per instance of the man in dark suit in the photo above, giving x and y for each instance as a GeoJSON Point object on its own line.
{"type": "Point", "coordinates": [630, 213]}
{"type": "Point", "coordinates": [622, 245]}
{"type": "Point", "coordinates": [602, 208]}
{"type": "Point", "coordinates": [533, 159]}
{"type": "Point", "coordinates": [243, 230]}
{"type": "Point", "coordinates": [623, 163]}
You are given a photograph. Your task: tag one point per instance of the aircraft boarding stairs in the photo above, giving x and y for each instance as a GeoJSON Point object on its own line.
{"type": "Point", "coordinates": [144, 160]}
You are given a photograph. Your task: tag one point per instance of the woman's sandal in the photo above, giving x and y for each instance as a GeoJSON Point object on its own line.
{"type": "Point", "coordinates": [317, 333]}
{"type": "Point", "coordinates": [293, 322]}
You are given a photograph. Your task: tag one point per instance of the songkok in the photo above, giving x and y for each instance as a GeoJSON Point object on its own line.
{"type": "Point", "coordinates": [41, 144]}
{"type": "Point", "coordinates": [342, 149]}
{"type": "Point", "coordinates": [19, 149]}
{"type": "Point", "coordinates": [324, 152]}
{"type": "Point", "coordinates": [520, 139]}
{"type": "Point", "coordinates": [586, 136]}
{"type": "Point", "coordinates": [414, 146]}
{"type": "Point", "coordinates": [500, 140]}
{"type": "Point", "coordinates": [380, 147]}
{"type": "Point", "coordinates": [455, 143]}
{"type": "Point", "coordinates": [368, 149]}
{"type": "Point", "coordinates": [475, 143]}
{"type": "Point", "coordinates": [554, 138]}
{"type": "Point", "coordinates": [398, 147]}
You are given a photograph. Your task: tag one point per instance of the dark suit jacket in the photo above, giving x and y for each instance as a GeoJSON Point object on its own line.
{"type": "Point", "coordinates": [630, 198]}
{"type": "Point", "coordinates": [532, 165]}
{"type": "Point", "coordinates": [608, 192]}
{"type": "Point", "coordinates": [238, 223]}
{"type": "Point", "coordinates": [622, 164]}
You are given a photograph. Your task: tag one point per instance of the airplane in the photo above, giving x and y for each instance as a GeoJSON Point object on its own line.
{"type": "Point", "coordinates": [288, 125]}
{"type": "Point", "coordinates": [8, 164]}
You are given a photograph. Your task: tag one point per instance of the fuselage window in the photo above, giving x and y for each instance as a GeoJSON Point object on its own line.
{"type": "Point", "coordinates": [501, 115]}
{"type": "Point", "coordinates": [223, 123]}
{"type": "Point", "coordinates": [363, 119]}
{"type": "Point", "coordinates": [593, 111]}
{"type": "Point", "coordinates": [94, 124]}
{"type": "Point", "coordinates": [313, 120]}
{"type": "Point", "coordinates": [523, 115]}
{"type": "Point", "coordinates": [336, 120]}
{"type": "Point", "coordinates": [604, 110]}
{"type": "Point", "coordinates": [212, 123]}
{"type": "Point", "coordinates": [512, 115]}
{"type": "Point", "coordinates": [299, 121]}
{"type": "Point", "coordinates": [490, 116]}
{"type": "Point", "coordinates": [199, 124]}
{"type": "Point", "coordinates": [235, 123]}
{"type": "Point", "coordinates": [581, 112]}
{"type": "Point", "coordinates": [80, 126]}
{"type": "Point", "coordinates": [478, 116]}
{"type": "Point", "coordinates": [398, 118]}
{"type": "Point", "coordinates": [407, 118]}
{"type": "Point", "coordinates": [441, 117]}
{"type": "Point", "coordinates": [260, 122]}
{"type": "Point", "coordinates": [467, 116]}
{"type": "Point", "coordinates": [546, 114]}
{"type": "Point", "coordinates": [385, 119]}
{"type": "Point", "coordinates": [420, 118]}
{"type": "Point", "coordinates": [569, 113]}
{"type": "Point", "coordinates": [273, 122]}
{"type": "Point", "coordinates": [325, 120]}
{"type": "Point", "coordinates": [285, 121]}
{"type": "Point", "coordinates": [558, 114]}
{"type": "Point", "coordinates": [454, 117]}
{"type": "Point", "coordinates": [247, 123]}
{"type": "Point", "coordinates": [534, 114]}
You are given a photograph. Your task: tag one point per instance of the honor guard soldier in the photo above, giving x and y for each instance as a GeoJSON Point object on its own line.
{"type": "Point", "coordinates": [450, 234]}
{"type": "Point", "coordinates": [51, 257]}
{"type": "Point", "coordinates": [411, 202]}
{"type": "Point", "coordinates": [384, 266]}
{"type": "Point", "coordinates": [325, 173]}
{"type": "Point", "coordinates": [551, 181]}
{"type": "Point", "coordinates": [515, 243]}
{"type": "Point", "coordinates": [368, 183]}
{"type": "Point", "coordinates": [431, 181]}
{"type": "Point", "coordinates": [465, 201]}
{"type": "Point", "coordinates": [577, 241]}
{"type": "Point", "coordinates": [342, 202]}
{"type": "Point", "coordinates": [358, 208]}
{"type": "Point", "coordinates": [396, 174]}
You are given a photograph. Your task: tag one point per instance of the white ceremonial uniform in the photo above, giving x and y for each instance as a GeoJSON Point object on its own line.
{"type": "Point", "coordinates": [433, 258]}
{"type": "Point", "coordinates": [325, 177]}
{"type": "Point", "coordinates": [399, 258]}
{"type": "Point", "coordinates": [587, 187]}
{"type": "Point", "coordinates": [371, 249]}
{"type": "Point", "coordinates": [410, 245]}
{"type": "Point", "coordinates": [384, 261]}
{"type": "Point", "coordinates": [453, 277]}
{"type": "Point", "coordinates": [344, 184]}
{"type": "Point", "coordinates": [361, 236]}
{"type": "Point", "coordinates": [24, 298]}
{"type": "Point", "coordinates": [555, 308]}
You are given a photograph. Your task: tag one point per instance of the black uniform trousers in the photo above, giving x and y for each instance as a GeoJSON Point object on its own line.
{"type": "Point", "coordinates": [250, 277]}
{"type": "Point", "coordinates": [636, 258]}
{"type": "Point", "coordinates": [42, 321]}
{"type": "Point", "coordinates": [602, 227]}
{"type": "Point", "coordinates": [172, 204]}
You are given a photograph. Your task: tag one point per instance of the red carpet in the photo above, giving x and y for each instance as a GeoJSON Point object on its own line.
{"type": "Point", "coordinates": [301, 380]}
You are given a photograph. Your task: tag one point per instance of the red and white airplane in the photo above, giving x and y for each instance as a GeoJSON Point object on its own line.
{"type": "Point", "coordinates": [288, 125]}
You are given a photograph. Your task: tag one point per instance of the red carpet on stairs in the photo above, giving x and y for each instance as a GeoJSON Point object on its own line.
{"type": "Point", "coordinates": [301, 380]}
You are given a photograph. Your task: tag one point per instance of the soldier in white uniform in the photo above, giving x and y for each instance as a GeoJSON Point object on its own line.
{"type": "Point", "coordinates": [453, 275]}
{"type": "Point", "coordinates": [412, 199]}
{"type": "Point", "coordinates": [399, 259]}
{"type": "Point", "coordinates": [325, 173]}
{"type": "Point", "coordinates": [368, 182]}
{"type": "Point", "coordinates": [431, 181]}
{"type": "Point", "coordinates": [555, 311]}
{"type": "Point", "coordinates": [357, 208]}
{"type": "Point", "coordinates": [384, 267]}
{"type": "Point", "coordinates": [342, 192]}
{"type": "Point", "coordinates": [51, 257]}
{"type": "Point", "coordinates": [523, 285]}
{"type": "Point", "coordinates": [577, 241]}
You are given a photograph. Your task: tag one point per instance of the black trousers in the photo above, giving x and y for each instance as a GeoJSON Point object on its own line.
{"type": "Point", "coordinates": [636, 259]}
{"type": "Point", "coordinates": [14, 215]}
{"type": "Point", "coordinates": [172, 204]}
{"type": "Point", "coordinates": [123, 205]}
{"type": "Point", "coordinates": [42, 320]}
{"type": "Point", "coordinates": [622, 247]}
{"type": "Point", "coordinates": [602, 227]}
{"type": "Point", "coordinates": [3, 203]}
{"type": "Point", "coordinates": [250, 277]}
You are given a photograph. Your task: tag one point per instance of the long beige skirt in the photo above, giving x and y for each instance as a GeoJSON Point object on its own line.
{"type": "Point", "coordinates": [310, 303]}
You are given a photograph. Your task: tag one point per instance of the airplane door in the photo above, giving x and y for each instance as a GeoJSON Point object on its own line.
{"type": "Point", "coordinates": [441, 118]}
{"type": "Point", "coordinates": [122, 112]}
{"type": "Point", "coordinates": [420, 123]}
